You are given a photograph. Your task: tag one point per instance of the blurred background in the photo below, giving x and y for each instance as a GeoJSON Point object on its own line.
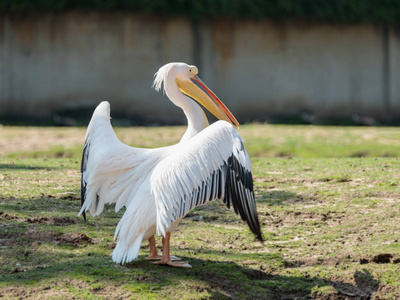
{"type": "Point", "coordinates": [275, 61]}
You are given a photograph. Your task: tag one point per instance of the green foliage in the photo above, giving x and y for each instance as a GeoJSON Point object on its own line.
{"type": "Point", "coordinates": [344, 11]}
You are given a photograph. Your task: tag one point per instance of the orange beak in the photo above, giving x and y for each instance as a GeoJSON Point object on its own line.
{"type": "Point", "coordinates": [196, 89]}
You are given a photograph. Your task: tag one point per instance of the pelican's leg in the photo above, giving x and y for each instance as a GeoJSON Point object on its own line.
{"type": "Point", "coordinates": [153, 251]}
{"type": "Point", "coordinates": [166, 258]}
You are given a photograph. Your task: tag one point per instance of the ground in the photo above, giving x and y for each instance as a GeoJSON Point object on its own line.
{"type": "Point", "coordinates": [327, 199]}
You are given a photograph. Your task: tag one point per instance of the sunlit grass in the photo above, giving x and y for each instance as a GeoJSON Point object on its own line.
{"type": "Point", "coordinates": [260, 140]}
{"type": "Point", "coordinates": [328, 216]}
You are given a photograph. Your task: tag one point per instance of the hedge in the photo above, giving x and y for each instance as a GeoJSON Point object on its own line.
{"type": "Point", "coordinates": [342, 11]}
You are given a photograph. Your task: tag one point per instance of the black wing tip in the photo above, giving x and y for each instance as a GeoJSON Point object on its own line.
{"type": "Point", "coordinates": [83, 201]}
{"type": "Point", "coordinates": [83, 192]}
{"type": "Point", "coordinates": [83, 169]}
{"type": "Point", "coordinates": [259, 237]}
{"type": "Point", "coordinates": [256, 230]}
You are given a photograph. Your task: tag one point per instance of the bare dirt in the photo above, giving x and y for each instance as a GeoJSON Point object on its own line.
{"type": "Point", "coordinates": [57, 221]}
{"type": "Point", "coordinates": [36, 238]}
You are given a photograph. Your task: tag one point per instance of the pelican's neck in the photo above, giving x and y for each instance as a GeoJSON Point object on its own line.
{"type": "Point", "coordinates": [197, 119]}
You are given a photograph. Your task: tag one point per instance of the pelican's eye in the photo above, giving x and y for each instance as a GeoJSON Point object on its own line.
{"type": "Point", "coordinates": [192, 71]}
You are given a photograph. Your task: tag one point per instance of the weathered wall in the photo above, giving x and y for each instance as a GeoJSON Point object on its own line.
{"type": "Point", "coordinates": [56, 60]}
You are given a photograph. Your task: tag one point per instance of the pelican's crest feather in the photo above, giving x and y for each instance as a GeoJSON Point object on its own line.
{"type": "Point", "coordinates": [161, 76]}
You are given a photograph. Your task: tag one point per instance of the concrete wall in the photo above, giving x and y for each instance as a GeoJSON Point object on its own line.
{"type": "Point", "coordinates": [51, 61]}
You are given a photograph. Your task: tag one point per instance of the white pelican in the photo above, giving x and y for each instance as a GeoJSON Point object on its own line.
{"type": "Point", "coordinates": [160, 186]}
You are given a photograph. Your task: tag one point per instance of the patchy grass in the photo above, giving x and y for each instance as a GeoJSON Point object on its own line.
{"type": "Point", "coordinates": [260, 140]}
{"type": "Point", "coordinates": [330, 222]}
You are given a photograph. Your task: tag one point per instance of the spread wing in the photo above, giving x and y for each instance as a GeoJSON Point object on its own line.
{"type": "Point", "coordinates": [111, 172]}
{"type": "Point", "coordinates": [211, 165]}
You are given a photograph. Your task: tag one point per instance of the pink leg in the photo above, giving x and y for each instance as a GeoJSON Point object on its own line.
{"type": "Point", "coordinates": [153, 251]}
{"type": "Point", "coordinates": [166, 258]}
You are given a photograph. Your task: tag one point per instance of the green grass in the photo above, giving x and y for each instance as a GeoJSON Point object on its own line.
{"type": "Point", "coordinates": [260, 140]}
{"type": "Point", "coordinates": [330, 219]}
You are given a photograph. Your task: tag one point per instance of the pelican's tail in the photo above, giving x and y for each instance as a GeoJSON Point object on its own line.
{"type": "Point", "coordinates": [124, 252]}
{"type": "Point", "coordinates": [137, 224]}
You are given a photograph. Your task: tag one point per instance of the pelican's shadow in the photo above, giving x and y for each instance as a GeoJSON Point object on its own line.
{"type": "Point", "coordinates": [278, 197]}
{"type": "Point", "coordinates": [229, 280]}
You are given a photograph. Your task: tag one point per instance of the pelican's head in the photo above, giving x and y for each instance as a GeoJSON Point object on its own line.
{"type": "Point", "coordinates": [190, 84]}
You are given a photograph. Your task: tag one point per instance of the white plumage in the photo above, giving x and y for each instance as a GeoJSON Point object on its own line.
{"type": "Point", "coordinates": [160, 186]}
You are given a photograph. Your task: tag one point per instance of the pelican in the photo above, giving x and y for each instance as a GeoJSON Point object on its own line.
{"type": "Point", "coordinates": [160, 186]}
